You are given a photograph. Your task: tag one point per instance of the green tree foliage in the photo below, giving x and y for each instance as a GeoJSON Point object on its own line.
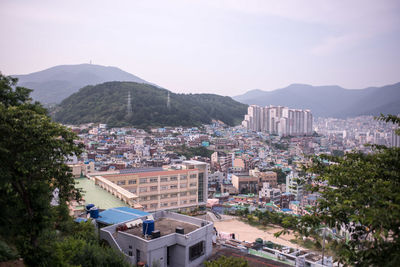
{"type": "Point", "coordinates": [32, 154]}
{"type": "Point", "coordinates": [338, 153]}
{"type": "Point", "coordinates": [281, 175]}
{"type": "Point", "coordinates": [360, 195]}
{"type": "Point", "coordinates": [6, 252]}
{"type": "Point", "coordinates": [33, 150]}
{"type": "Point", "coordinates": [190, 152]}
{"type": "Point", "coordinates": [390, 118]}
{"type": "Point", "coordinates": [268, 218]}
{"type": "Point", "coordinates": [227, 262]}
{"type": "Point", "coordinates": [107, 103]}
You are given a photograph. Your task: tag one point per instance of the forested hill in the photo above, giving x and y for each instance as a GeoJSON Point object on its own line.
{"type": "Point", "coordinates": [108, 103]}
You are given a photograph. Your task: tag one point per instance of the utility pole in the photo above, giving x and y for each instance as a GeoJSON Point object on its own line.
{"type": "Point", "coordinates": [323, 245]}
{"type": "Point", "coordinates": [129, 104]}
{"type": "Point", "coordinates": [168, 101]}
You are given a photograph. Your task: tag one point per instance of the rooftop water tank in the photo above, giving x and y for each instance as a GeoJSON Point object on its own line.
{"type": "Point", "coordinates": [89, 206]}
{"type": "Point", "coordinates": [94, 213]}
{"type": "Point", "coordinates": [148, 227]}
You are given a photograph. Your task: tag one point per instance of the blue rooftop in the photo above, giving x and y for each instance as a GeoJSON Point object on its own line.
{"type": "Point", "coordinates": [285, 210]}
{"type": "Point", "coordinates": [119, 215]}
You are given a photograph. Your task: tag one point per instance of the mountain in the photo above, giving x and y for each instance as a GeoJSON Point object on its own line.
{"type": "Point", "coordinates": [57, 83]}
{"type": "Point", "coordinates": [108, 103]}
{"type": "Point", "coordinates": [330, 101]}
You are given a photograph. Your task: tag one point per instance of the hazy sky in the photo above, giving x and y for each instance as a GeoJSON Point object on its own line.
{"type": "Point", "coordinates": [224, 47]}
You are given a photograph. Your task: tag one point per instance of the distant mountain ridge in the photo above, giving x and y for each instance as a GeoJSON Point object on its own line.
{"type": "Point", "coordinates": [108, 103]}
{"type": "Point", "coordinates": [54, 84]}
{"type": "Point", "coordinates": [330, 101]}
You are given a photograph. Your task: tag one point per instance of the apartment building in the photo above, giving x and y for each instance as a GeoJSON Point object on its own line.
{"type": "Point", "coordinates": [270, 194]}
{"type": "Point", "coordinates": [265, 177]}
{"type": "Point", "coordinates": [278, 120]}
{"type": "Point", "coordinates": [170, 187]}
{"type": "Point", "coordinates": [245, 183]}
{"type": "Point", "coordinates": [294, 186]}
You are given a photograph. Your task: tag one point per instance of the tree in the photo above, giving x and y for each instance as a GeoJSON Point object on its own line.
{"type": "Point", "coordinates": [360, 196]}
{"type": "Point", "coordinates": [33, 150]}
{"type": "Point", "coordinates": [281, 176]}
{"type": "Point", "coordinates": [227, 262]}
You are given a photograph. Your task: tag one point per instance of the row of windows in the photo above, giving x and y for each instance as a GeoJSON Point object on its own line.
{"type": "Point", "coordinates": [155, 179]}
{"type": "Point", "coordinates": [166, 204]}
{"type": "Point", "coordinates": [164, 187]}
{"type": "Point", "coordinates": [155, 188]}
{"type": "Point", "coordinates": [164, 196]}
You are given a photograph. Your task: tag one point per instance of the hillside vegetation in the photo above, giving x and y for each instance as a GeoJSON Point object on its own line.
{"type": "Point", "coordinates": [107, 103]}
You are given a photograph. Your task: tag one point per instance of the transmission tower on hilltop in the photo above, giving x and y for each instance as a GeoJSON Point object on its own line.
{"type": "Point", "coordinates": [129, 104]}
{"type": "Point", "coordinates": [168, 101]}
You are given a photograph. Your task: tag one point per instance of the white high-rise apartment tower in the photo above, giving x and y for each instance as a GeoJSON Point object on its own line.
{"type": "Point", "coordinates": [278, 120]}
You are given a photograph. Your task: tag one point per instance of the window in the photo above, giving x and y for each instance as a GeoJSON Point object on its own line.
{"type": "Point", "coordinates": [193, 184]}
{"type": "Point", "coordinates": [165, 204]}
{"type": "Point", "coordinates": [174, 195]}
{"type": "Point", "coordinates": [200, 188]}
{"type": "Point", "coordinates": [183, 177]}
{"type": "Point", "coordinates": [132, 190]}
{"type": "Point", "coordinates": [143, 180]}
{"type": "Point", "coordinates": [121, 182]}
{"type": "Point", "coordinates": [153, 197]}
{"type": "Point", "coordinates": [164, 187]}
{"type": "Point", "coordinates": [142, 189]}
{"type": "Point", "coordinates": [137, 256]}
{"type": "Point", "coordinates": [143, 198]}
{"type": "Point", "coordinates": [183, 202]}
{"type": "Point", "coordinates": [192, 193]}
{"type": "Point", "coordinates": [130, 252]}
{"type": "Point", "coordinates": [196, 251]}
{"type": "Point", "coordinates": [164, 196]}
{"type": "Point", "coordinates": [164, 179]}
{"type": "Point", "coordinates": [153, 188]}
{"type": "Point", "coordinates": [132, 181]}
{"type": "Point", "coordinates": [174, 203]}
{"type": "Point", "coordinates": [154, 205]}
{"type": "Point", "coordinates": [193, 176]}
{"type": "Point", "coordinates": [173, 178]}
{"type": "Point", "coordinates": [192, 200]}
{"type": "Point", "coordinates": [183, 194]}
{"type": "Point", "coordinates": [153, 180]}
{"type": "Point", "coordinates": [174, 186]}
{"type": "Point", "coordinates": [183, 185]}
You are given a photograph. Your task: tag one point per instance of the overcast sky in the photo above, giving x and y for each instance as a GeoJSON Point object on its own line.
{"type": "Point", "coordinates": [224, 47]}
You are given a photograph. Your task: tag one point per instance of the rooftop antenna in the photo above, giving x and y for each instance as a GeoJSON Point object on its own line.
{"type": "Point", "coordinates": [168, 101]}
{"type": "Point", "coordinates": [129, 104]}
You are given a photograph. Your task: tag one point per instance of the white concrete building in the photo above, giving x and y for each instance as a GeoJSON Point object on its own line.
{"type": "Point", "coordinates": [278, 120]}
{"type": "Point", "coordinates": [177, 240]}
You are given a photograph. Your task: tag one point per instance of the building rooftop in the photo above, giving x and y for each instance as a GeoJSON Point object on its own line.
{"type": "Point", "coordinates": [138, 170]}
{"type": "Point", "coordinates": [151, 173]}
{"type": "Point", "coordinates": [94, 194]}
{"type": "Point", "coordinates": [119, 215]}
{"type": "Point", "coordinates": [166, 226]}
